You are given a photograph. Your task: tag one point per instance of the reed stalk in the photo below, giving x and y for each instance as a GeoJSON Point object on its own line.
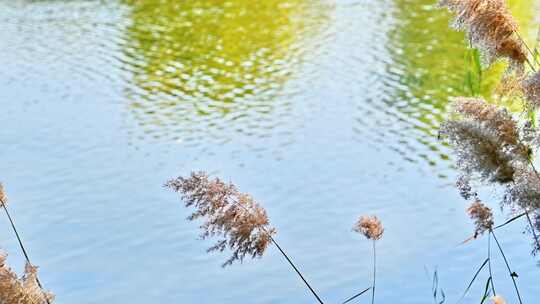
{"type": "Point", "coordinates": [23, 249]}
{"type": "Point", "coordinates": [512, 274]}
{"type": "Point", "coordinates": [374, 272]}
{"type": "Point", "coordinates": [489, 263]}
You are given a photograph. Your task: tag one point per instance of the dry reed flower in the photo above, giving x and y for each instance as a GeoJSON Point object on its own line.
{"type": "Point", "coordinates": [242, 224]}
{"type": "Point", "coordinates": [3, 196]}
{"type": "Point", "coordinates": [535, 229]}
{"type": "Point", "coordinates": [529, 134]}
{"type": "Point", "coordinates": [531, 90]}
{"type": "Point", "coordinates": [370, 226]}
{"type": "Point", "coordinates": [25, 290]}
{"type": "Point", "coordinates": [482, 216]}
{"type": "Point", "coordinates": [510, 86]}
{"type": "Point", "coordinates": [525, 191]}
{"type": "Point", "coordinates": [479, 150]}
{"type": "Point", "coordinates": [486, 139]}
{"type": "Point", "coordinates": [490, 27]}
{"type": "Point", "coordinates": [464, 187]}
{"type": "Point", "coordinates": [492, 117]}
{"type": "Point", "coordinates": [498, 300]}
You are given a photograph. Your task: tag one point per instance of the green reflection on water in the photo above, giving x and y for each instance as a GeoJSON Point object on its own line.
{"type": "Point", "coordinates": [195, 60]}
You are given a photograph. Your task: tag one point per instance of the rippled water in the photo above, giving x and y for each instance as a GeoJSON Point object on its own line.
{"type": "Point", "coordinates": [323, 110]}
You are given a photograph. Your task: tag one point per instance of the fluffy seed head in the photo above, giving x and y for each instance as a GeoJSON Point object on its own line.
{"type": "Point", "coordinates": [525, 190]}
{"type": "Point", "coordinates": [490, 27]}
{"type": "Point", "coordinates": [241, 223]}
{"type": "Point", "coordinates": [370, 226]}
{"type": "Point", "coordinates": [24, 290]}
{"type": "Point", "coordinates": [492, 117]}
{"type": "Point", "coordinates": [486, 139]}
{"type": "Point", "coordinates": [464, 187]}
{"type": "Point", "coordinates": [482, 216]}
{"type": "Point", "coordinates": [531, 90]}
{"type": "Point", "coordinates": [479, 150]}
{"type": "Point", "coordinates": [3, 196]}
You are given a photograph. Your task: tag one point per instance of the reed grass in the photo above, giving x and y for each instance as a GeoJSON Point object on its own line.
{"type": "Point", "coordinates": [490, 144]}
{"type": "Point", "coordinates": [242, 223]}
{"type": "Point", "coordinates": [372, 228]}
{"type": "Point", "coordinates": [20, 290]}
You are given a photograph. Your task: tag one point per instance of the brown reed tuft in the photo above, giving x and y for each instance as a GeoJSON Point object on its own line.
{"type": "Point", "coordinates": [525, 191]}
{"type": "Point", "coordinates": [490, 27]}
{"type": "Point", "coordinates": [370, 226]}
{"type": "Point", "coordinates": [531, 90]}
{"type": "Point", "coordinates": [492, 117]}
{"type": "Point", "coordinates": [25, 290]}
{"type": "Point", "coordinates": [486, 139]}
{"type": "Point", "coordinates": [479, 150]}
{"type": "Point", "coordinates": [482, 216]}
{"type": "Point", "coordinates": [242, 224]}
{"type": "Point", "coordinates": [3, 196]}
{"type": "Point", "coordinates": [510, 86]}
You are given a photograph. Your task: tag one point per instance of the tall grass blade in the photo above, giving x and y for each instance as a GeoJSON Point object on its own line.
{"type": "Point", "coordinates": [357, 295]}
{"type": "Point", "coordinates": [473, 279]}
{"type": "Point", "coordinates": [513, 275]}
{"type": "Point", "coordinates": [486, 290]}
{"type": "Point", "coordinates": [510, 220]}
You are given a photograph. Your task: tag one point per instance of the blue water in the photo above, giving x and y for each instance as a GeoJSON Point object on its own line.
{"type": "Point", "coordinates": [342, 122]}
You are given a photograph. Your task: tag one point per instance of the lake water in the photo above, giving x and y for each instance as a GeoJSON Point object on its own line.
{"type": "Point", "coordinates": [323, 110]}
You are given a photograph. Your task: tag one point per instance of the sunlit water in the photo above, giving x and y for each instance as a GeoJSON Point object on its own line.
{"type": "Point", "coordinates": [322, 110]}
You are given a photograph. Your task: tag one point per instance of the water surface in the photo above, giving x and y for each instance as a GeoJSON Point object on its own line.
{"type": "Point", "coordinates": [323, 110]}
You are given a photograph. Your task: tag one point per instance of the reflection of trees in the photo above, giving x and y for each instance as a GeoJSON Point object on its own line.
{"type": "Point", "coordinates": [204, 65]}
{"type": "Point", "coordinates": [433, 63]}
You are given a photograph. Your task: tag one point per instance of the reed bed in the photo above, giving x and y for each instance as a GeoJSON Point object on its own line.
{"type": "Point", "coordinates": [495, 148]}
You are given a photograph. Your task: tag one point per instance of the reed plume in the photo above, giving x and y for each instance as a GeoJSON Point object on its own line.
{"type": "Point", "coordinates": [24, 290]}
{"type": "Point", "coordinates": [525, 191]}
{"type": "Point", "coordinates": [242, 224]}
{"type": "Point", "coordinates": [482, 216]}
{"type": "Point", "coordinates": [510, 87]}
{"type": "Point", "coordinates": [493, 118]}
{"type": "Point", "coordinates": [479, 150]}
{"type": "Point", "coordinates": [490, 28]}
{"type": "Point", "coordinates": [531, 90]}
{"type": "Point", "coordinates": [486, 139]}
{"type": "Point", "coordinates": [3, 196]}
{"type": "Point", "coordinates": [372, 228]}
{"type": "Point", "coordinates": [465, 189]}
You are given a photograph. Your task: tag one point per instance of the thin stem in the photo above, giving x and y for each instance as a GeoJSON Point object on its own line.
{"type": "Point", "coordinates": [508, 267]}
{"type": "Point", "coordinates": [533, 230]}
{"type": "Point", "coordinates": [286, 257]}
{"type": "Point", "coordinates": [374, 273]}
{"type": "Point", "coordinates": [530, 64]}
{"type": "Point", "coordinates": [295, 269]}
{"type": "Point", "coordinates": [528, 49]}
{"type": "Point", "coordinates": [25, 253]}
{"type": "Point", "coordinates": [489, 264]}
